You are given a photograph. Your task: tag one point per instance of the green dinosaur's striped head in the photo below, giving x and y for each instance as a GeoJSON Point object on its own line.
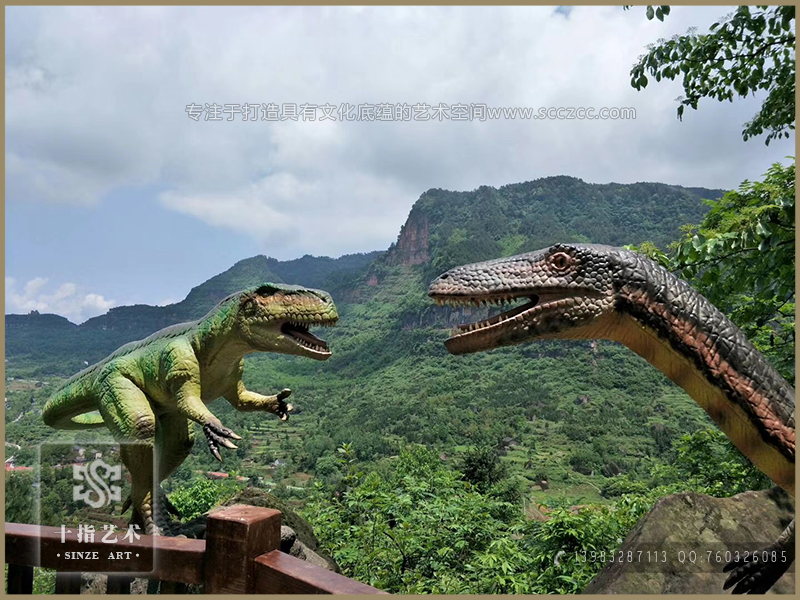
{"type": "Point", "coordinates": [275, 317]}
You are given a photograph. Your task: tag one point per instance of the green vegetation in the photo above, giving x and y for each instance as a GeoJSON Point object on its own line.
{"type": "Point", "coordinates": [411, 524]}
{"type": "Point", "coordinates": [202, 495]}
{"type": "Point", "coordinates": [749, 51]}
{"type": "Point", "coordinates": [741, 257]}
{"type": "Point", "coordinates": [421, 471]}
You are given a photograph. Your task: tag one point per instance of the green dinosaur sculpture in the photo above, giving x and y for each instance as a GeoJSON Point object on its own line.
{"type": "Point", "coordinates": [148, 392]}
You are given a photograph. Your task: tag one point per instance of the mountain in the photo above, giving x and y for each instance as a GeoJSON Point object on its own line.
{"type": "Point", "coordinates": [595, 408]}
{"type": "Point", "coordinates": [451, 228]}
{"type": "Point", "coordinates": [443, 229]}
{"type": "Point", "coordinates": [568, 417]}
{"type": "Point", "coordinates": [56, 345]}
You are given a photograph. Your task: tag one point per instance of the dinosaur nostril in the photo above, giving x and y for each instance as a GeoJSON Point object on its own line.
{"type": "Point", "coordinates": [445, 276]}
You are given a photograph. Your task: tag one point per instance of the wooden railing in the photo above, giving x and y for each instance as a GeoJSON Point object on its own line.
{"type": "Point", "coordinates": [239, 556]}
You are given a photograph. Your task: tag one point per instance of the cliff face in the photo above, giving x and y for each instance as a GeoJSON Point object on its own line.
{"type": "Point", "coordinates": [412, 243]}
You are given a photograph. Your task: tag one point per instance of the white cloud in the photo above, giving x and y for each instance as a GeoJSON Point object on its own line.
{"type": "Point", "coordinates": [96, 96]}
{"type": "Point", "coordinates": [303, 216]}
{"type": "Point", "coordinates": [68, 300]}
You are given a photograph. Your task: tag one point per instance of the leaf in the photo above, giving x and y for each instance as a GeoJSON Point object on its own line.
{"type": "Point", "coordinates": [650, 13]}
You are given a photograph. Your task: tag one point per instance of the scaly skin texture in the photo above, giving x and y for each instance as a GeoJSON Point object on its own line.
{"type": "Point", "coordinates": [585, 291]}
{"type": "Point", "coordinates": [148, 392]}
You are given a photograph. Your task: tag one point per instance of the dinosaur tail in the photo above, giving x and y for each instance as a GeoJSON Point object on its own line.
{"type": "Point", "coordinates": [67, 408]}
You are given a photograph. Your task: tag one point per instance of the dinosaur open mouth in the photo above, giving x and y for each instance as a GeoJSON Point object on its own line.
{"type": "Point", "coordinates": [299, 333]}
{"type": "Point", "coordinates": [494, 300]}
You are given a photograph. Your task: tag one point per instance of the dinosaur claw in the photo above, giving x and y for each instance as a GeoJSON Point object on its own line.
{"type": "Point", "coordinates": [216, 453]}
{"type": "Point", "coordinates": [749, 576]}
{"type": "Point", "coordinates": [217, 436]}
{"type": "Point", "coordinates": [284, 393]}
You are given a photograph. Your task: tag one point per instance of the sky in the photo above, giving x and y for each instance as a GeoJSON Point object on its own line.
{"type": "Point", "coordinates": [115, 195]}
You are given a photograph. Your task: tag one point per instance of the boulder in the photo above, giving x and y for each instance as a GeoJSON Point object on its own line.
{"type": "Point", "coordinates": [291, 545]}
{"type": "Point", "coordinates": [681, 523]}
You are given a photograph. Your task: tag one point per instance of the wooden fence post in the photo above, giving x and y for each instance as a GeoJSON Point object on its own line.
{"type": "Point", "coordinates": [68, 583]}
{"type": "Point", "coordinates": [235, 536]}
{"type": "Point", "coordinates": [20, 578]}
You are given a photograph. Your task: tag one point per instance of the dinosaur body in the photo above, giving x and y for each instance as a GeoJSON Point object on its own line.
{"type": "Point", "coordinates": [149, 392]}
{"type": "Point", "coordinates": [584, 291]}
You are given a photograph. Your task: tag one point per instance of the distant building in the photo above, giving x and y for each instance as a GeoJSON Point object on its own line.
{"type": "Point", "coordinates": [10, 466]}
{"type": "Point", "coordinates": [221, 475]}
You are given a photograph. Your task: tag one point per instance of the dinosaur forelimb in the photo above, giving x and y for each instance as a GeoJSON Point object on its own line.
{"type": "Point", "coordinates": [246, 401]}
{"type": "Point", "coordinates": [758, 572]}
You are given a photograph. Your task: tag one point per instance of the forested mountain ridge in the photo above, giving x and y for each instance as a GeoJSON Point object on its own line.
{"type": "Point", "coordinates": [390, 380]}
{"type": "Point", "coordinates": [54, 345]}
{"type": "Point", "coordinates": [450, 228]}
{"type": "Point", "coordinates": [443, 229]}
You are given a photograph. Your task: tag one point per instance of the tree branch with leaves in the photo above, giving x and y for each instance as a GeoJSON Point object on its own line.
{"type": "Point", "coordinates": [751, 50]}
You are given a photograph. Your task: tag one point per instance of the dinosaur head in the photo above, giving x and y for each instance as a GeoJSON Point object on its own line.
{"type": "Point", "coordinates": [567, 292]}
{"type": "Point", "coordinates": [274, 317]}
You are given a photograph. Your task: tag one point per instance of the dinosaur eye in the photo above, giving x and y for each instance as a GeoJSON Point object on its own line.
{"type": "Point", "coordinates": [561, 261]}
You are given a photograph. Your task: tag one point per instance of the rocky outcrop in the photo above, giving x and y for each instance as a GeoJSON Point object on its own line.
{"type": "Point", "coordinates": [290, 544]}
{"type": "Point", "coordinates": [695, 522]}
{"type": "Point", "coordinates": [412, 243]}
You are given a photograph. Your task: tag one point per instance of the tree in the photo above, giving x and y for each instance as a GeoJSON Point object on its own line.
{"type": "Point", "coordinates": [744, 52]}
{"type": "Point", "coordinates": [19, 498]}
{"type": "Point", "coordinates": [202, 495]}
{"type": "Point", "coordinates": [741, 257]}
{"type": "Point", "coordinates": [482, 467]}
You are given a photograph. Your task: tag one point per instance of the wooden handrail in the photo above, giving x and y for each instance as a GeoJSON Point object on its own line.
{"type": "Point", "coordinates": [278, 572]}
{"type": "Point", "coordinates": [177, 559]}
{"type": "Point", "coordinates": [239, 555]}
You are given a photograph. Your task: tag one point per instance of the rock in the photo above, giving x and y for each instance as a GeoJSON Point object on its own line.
{"type": "Point", "coordinates": [695, 522]}
{"type": "Point", "coordinates": [288, 538]}
{"type": "Point", "coordinates": [291, 545]}
{"type": "Point", "coordinates": [412, 243]}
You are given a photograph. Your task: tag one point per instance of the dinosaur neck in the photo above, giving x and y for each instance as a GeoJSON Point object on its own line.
{"type": "Point", "coordinates": [216, 340]}
{"type": "Point", "coordinates": [722, 379]}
